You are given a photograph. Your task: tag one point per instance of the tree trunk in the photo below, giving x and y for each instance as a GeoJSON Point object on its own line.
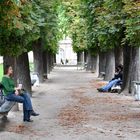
{"type": "Point", "coordinates": [50, 62]}
{"type": "Point", "coordinates": [45, 70]}
{"type": "Point", "coordinates": [94, 63]}
{"type": "Point", "coordinates": [127, 55]}
{"type": "Point", "coordinates": [118, 56]}
{"type": "Point", "coordinates": [110, 65]}
{"type": "Point", "coordinates": [85, 56]}
{"type": "Point", "coordinates": [131, 68]}
{"type": "Point", "coordinates": [80, 57]}
{"type": "Point", "coordinates": [54, 57]}
{"type": "Point", "coordinates": [89, 61]}
{"type": "Point", "coordinates": [23, 71]}
{"type": "Point", "coordinates": [38, 59]}
{"type": "Point", "coordinates": [102, 63]}
{"type": "Point", "coordinates": [10, 60]}
{"type": "Point", "coordinates": [44, 62]}
{"type": "Point", "coordinates": [135, 68]}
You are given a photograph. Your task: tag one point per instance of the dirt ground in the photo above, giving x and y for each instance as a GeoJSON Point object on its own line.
{"type": "Point", "coordinates": [71, 109]}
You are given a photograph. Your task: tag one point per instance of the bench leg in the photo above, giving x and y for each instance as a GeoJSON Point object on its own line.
{"type": "Point", "coordinates": [4, 116]}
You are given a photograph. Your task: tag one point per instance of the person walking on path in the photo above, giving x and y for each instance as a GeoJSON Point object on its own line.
{"type": "Point", "coordinates": [16, 94]}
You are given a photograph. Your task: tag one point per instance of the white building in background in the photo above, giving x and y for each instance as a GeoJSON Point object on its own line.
{"type": "Point", "coordinates": [66, 52]}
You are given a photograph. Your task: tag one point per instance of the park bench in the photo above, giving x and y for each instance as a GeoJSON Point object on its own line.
{"type": "Point", "coordinates": [34, 78]}
{"type": "Point", "coordinates": [81, 66]}
{"type": "Point", "coordinates": [5, 106]}
{"type": "Point", "coordinates": [116, 88]}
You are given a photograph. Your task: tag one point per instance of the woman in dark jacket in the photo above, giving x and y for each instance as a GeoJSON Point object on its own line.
{"type": "Point", "coordinates": [117, 79]}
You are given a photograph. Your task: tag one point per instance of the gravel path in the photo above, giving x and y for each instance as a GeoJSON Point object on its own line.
{"type": "Point", "coordinates": [71, 109]}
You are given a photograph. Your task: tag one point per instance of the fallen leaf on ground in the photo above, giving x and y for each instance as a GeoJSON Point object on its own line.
{"type": "Point", "coordinates": [72, 115]}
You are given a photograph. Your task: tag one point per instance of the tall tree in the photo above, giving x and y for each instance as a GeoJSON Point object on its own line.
{"type": "Point", "coordinates": [131, 44]}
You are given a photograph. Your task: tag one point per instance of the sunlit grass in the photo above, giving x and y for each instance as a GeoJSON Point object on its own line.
{"type": "Point", "coordinates": [1, 71]}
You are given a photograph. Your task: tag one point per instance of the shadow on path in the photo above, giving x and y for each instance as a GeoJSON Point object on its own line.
{"type": "Point", "coordinates": [3, 123]}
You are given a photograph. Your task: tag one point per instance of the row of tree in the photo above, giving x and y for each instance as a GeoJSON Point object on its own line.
{"type": "Point", "coordinates": [29, 25]}
{"type": "Point", "coordinates": [108, 31]}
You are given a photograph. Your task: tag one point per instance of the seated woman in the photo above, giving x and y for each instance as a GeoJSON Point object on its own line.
{"type": "Point", "coordinates": [12, 93]}
{"type": "Point", "coordinates": [117, 79]}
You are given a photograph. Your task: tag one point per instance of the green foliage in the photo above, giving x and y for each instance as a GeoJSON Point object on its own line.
{"type": "Point", "coordinates": [96, 25]}
{"type": "Point", "coordinates": [63, 21]}
{"type": "Point", "coordinates": [72, 23]}
{"type": "Point", "coordinates": [104, 24]}
{"type": "Point", "coordinates": [132, 22]}
{"type": "Point", "coordinates": [1, 71]}
{"type": "Point", "coordinates": [50, 33]}
{"type": "Point", "coordinates": [111, 23]}
{"type": "Point", "coordinates": [9, 17]}
{"type": "Point", "coordinates": [18, 23]}
{"type": "Point", "coordinates": [25, 21]}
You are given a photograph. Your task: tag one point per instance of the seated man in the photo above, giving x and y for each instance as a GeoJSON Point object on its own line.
{"type": "Point", "coordinates": [117, 79]}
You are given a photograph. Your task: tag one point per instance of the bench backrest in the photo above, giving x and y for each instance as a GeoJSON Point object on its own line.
{"type": "Point", "coordinates": [2, 100]}
{"type": "Point", "coordinates": [1, 93]}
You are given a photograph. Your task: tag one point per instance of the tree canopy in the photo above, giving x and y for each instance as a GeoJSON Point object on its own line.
{"type": "Point", "coordinates": [24, 21]}
{"type": "Point", "coordinates": [100, 25]}
{"type": "Point", "coordinates": [96, 25]}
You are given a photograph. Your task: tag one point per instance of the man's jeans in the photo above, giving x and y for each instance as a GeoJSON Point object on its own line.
{"type": "Point", "coordinates": [25, 99]}
{"type": "Point", "coordinates": [110, 84]}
